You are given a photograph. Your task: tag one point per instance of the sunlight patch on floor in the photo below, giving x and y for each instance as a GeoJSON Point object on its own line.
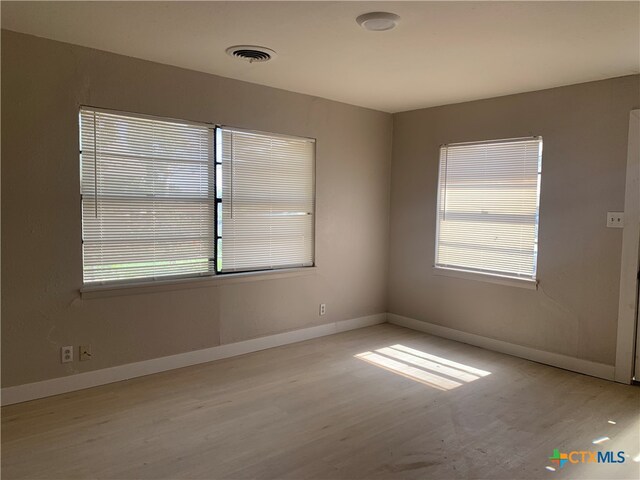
{"type": "Point", "coordinates": [422, 367]}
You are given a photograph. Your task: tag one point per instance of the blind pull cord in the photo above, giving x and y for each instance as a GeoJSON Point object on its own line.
{"type": "Point", "coordinates": [446, 170]}
{"type": "Point", "coordinates": [232, 169]}
{"type": "Point", "coordinates": [95, 167]}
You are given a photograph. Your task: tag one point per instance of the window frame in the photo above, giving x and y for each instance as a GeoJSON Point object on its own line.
{"type": "Point", "coordinates": [128, 286]}
{"type": "Point", "coordinates": [476, 274]}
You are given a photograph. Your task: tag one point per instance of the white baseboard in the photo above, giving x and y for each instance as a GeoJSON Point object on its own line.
{"type": "Point", "coordinates": [80, 381]}
{"type": "Point", "coordinates": [587, 367]}
{"type": "Point", "coordinates": [56, 386]}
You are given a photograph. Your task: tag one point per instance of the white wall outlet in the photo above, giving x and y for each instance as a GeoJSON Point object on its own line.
{"type": "Point", "coordinates": [66, 354]}
{"type": "Point", "coordinates": [323, 309]}
{"type": "Point", "coordinates": [615, 219]}
{"type": "Point", "coordinates": [84, 353]}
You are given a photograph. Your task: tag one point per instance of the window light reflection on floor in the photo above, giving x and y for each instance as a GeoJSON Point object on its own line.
{"type": "Point", "coordinates": [422, 367]}
{"type": "Point", "coordinates": [600, 440]}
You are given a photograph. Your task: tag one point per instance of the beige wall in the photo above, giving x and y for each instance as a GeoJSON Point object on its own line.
{"type": "Point", "coordinates": [43, 84]}
{"type": "Point", "coordinates": [574, 311]}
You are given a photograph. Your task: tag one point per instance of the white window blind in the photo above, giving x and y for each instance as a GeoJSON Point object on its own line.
{"type": "Point", "coordinates": [148, 197]}
{"type": "Point", "coordinates": [267, 201]}
{"type": "Point", "coordinates": [488, 198]}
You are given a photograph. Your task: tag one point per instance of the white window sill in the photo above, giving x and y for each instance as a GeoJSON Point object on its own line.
{"type": "Point", "coordinates": [155, 286]}
{"type": "Point", "coordinates": [486, 277]}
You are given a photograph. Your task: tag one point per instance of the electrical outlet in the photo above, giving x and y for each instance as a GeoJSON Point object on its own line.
{"type": "Point", "coordinates": [323, 309]}
{"type": "Point", "coordinates": [85, 353]}
{"type": "Point", "coordinates": [615, 219]}
{"type": "Point", "coordinates": [66, 354]}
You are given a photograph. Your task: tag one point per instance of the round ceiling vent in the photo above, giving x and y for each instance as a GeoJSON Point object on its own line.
{"type": "Point", "coordinates": [251, 53]}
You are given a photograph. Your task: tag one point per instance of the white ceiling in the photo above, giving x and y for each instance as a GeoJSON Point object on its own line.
{"type": "Point", "coordinates": [441, 52]}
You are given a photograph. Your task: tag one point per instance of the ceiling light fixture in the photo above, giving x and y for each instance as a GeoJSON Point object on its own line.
{"type": "Point", "coordinates": [378, 21]}
{"type": "Point", "coordinates": [251, 53]}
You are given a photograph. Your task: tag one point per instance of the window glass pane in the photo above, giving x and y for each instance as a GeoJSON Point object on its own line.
{"type": "Point", "coordinates": [219, 181]}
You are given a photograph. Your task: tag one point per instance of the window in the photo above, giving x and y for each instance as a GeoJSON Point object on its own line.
{"type": "Point", "coordinates": [488, 202]}
{"type": "Point", "coordinates": [267, 201]}
{"type": "Point", "coordinates": [148, 197]}
{"type": "Point", "coordinates": [158, 203]}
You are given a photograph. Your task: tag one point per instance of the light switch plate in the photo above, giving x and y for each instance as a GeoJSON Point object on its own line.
{"type": "Point", "coordinates": [615, 219]}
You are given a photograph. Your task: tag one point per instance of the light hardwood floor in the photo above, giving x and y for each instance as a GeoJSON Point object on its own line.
{"type": "Point", "coordinates": [316, 410]}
